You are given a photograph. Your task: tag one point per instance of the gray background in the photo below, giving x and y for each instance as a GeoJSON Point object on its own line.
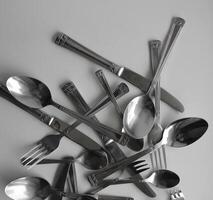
{"type": "Point", "coordinates": [120, 31]}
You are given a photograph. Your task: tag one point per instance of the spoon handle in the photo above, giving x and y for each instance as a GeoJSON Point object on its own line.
{"type": "Point", "coordinates": [102, 79]}
{"type": "Point", "coordinates": [117, 136]}
{"type": "Point", "coordinates": [176, 26]}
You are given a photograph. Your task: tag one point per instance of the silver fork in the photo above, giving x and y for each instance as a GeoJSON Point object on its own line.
{"type": "Point", "coordinates": [177, 195]}
{"type": "Point", "coordinates": [136, 166]}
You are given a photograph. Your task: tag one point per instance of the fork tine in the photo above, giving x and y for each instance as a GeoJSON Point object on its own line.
{"type": "Point", "coordinates": [41, 157]}
{"type": "Point", "coordinates": [140, 166]}
{"type": "Point", "coordinates": [34, 156]}
{"type": "Point", "coordinates": [136, 163]}
{"type": "Point", "coordinates": [142, 170]}
{"type": "Point", "coordinates": [30, 156]}
{"type": "Point", "coordinates": [32, 149]}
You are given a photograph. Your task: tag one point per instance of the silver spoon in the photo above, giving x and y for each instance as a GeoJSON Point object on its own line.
{"type": "Point", "coordinates": [31, 188]}
{"type": "Point", "coordinates": [163, 179]}
{"type": "Point", "coordinates": [36, 94]}
{"type": "Point", "coordinates": [183, 132]}
{"type": "Point", "coordinates": [139, 115]}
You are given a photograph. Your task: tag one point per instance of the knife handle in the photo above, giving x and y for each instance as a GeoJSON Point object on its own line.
{"type": "Point", "coordinates": [68, 43]}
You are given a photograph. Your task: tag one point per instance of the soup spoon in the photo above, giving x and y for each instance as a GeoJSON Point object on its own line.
{"type": "Point", "coordinates": [139, 115]}
{"type": "Point", "coordinates": [31, 188]}
{"type": "Point", "coordinates": [36, 94]}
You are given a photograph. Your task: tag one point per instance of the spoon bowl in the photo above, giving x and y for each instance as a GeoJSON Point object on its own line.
{"type": "Point", "coordinates": [139, 116]}
{"type": "Point", "coordinates": [163, 179]}
{"type": "Point", "coordinates": [28, 188]}
{"type": "Point", "coordinates": [29, 91]}
{"type": "Point", "coordinates": [184, 132]}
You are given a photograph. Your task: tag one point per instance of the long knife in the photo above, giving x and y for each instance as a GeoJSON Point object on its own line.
{"type": "Point", "coordinates": [123, 72]}
{"type": "Point", "coordinates": [74, 95]}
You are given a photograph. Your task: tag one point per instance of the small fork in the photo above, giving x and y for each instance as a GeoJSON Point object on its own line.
{"type": "Point", "coordinates": [177, 195]}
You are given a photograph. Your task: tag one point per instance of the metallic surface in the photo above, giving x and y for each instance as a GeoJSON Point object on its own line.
{"type": "Point", "coordinates": [132, 77]}
{"type": "Point", "coordinates": [117, 154]}
{"type": "Point", "coordinates": [37, 95]}
{"type": "Point", "coordinates": [139, 115]}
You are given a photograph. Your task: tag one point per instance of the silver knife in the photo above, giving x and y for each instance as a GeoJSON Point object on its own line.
{"type": "Point", "coordinates": [123, 72]}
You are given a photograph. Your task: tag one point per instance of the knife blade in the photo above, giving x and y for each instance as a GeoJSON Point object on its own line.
{"type": "Point", "coordinates": [117, 154]}
{"type": "Point", "coordinates": [58, 125]}
{"type": "Point", "coordinates": [123, 72]}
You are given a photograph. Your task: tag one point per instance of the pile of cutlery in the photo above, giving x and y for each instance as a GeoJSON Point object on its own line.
{"type": "Point", "coordinates": [140, 130]}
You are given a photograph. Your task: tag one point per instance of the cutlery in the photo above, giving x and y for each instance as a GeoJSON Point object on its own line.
{"type": "Point", "coordinates": [156, 132]}
{"type": "Point", "coordinates": [93, 160]}
{"type": "Point", "coordinates": [60, 179]}
{"type": "Point", "coordinates": [177, 195]}
{"type": "Point", "coordinates": [139, 115]}
{"type": "Point", "coordinates": [29, 188]}
{"type": "Point", "coordinates": [161, 178]}
{"type": "Point", "coordinates": [180, 133]}
{"type": "Point", "coordinates": [183, 132]}
{"type": "Point", "coordinates": [123, 72]}
{"type": "Point", "coordinates": [74, 95]}
{"type": "Point", "coordinates": [134, 167]}
{"type": "Point", "coordinates": [104, 83]}
{"type": "Point", "coordinates": [58, 125]}
{"type": "Point", "coordinates": [72, 178]}
{"type": "Point", "coordinates": [36, 94]}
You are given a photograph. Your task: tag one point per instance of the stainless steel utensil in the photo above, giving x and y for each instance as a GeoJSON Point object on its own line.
{"type": "Point", "coordinates": [92, 160]}
{"type": "Point", "coordinates": [183, 132]}
{"type": "Point", "coordinates": [163, 179]}
{"type": "Point", "coordinates": [156, 132]}
{"type": "Point", "coordinates": [36, 94]}
{"type": "Point", "coordinates": [60, 178]}
{"type": "Point", "coordinates": [104, 83]}
{"type": "Point", "coordinates": [74, 95]}
{"type": "Point", "coordinates": [123, 72]}
{"type": "Point", "coordinates": [177, 195]}
{"type": "Point", "coordinates": [29, 188]}
{"type": "Point", "coordinates": [96, 177]}
{"type": "Point", "coordinates": [58, 125]}
{"type": "Point", "coordinates": [139, 115]}
{"type": "Point", "coordinates": [135, 166]}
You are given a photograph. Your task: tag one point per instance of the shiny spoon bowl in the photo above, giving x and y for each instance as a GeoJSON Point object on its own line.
{"type": "Point", "coordinates": [183, 132]}
{"type": "Point", "coordinates": [36, 188]}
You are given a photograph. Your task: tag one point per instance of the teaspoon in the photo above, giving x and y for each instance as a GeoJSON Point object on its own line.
{"type": "Point", "coordinates": [31, 188]}
{"type": "Point", "coordinates": [139, 115]}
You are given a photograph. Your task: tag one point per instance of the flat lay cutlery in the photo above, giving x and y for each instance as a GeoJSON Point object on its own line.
{"type": "Point", "coordinates": [123, 72]}
{"type": "Point", "coordinates": [139, 115]}
{"type": "Point", "coordinates": [58, 125]}
{"type": "Point", "coordinates": [36, 94]}
{"type": "Point", "coordinates": [77, 99]}
{"type": "Point", "coordinates": [178, 134]}
{"type": "Point", "coordinates": [29, 188]}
